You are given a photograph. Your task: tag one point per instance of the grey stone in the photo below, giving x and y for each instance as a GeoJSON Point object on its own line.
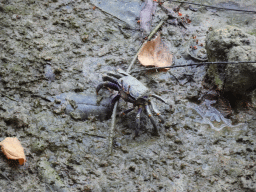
{"type": "Point", "coordinates": [232, 44]}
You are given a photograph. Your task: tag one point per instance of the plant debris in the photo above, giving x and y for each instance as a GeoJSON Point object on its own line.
{"type": "Point", "coordinates": [146, 16]}
{"type": "Point", "coordinates": [155, 53]}
{"type": "Point", "coordinates": [125, 10]}
{"type": "Point", "coordinates": [169, 11]}
{"type": "Point", "coordinates": [175, 16]}
{"type": "Point", "coordinates": [12, 148]}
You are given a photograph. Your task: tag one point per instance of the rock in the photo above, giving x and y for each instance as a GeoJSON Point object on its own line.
{"type": "Point", "coordinates": [103, 163]}
{"type": "Point", "coordinates": [254, 99]}
{"type": "Point", "coordinates": [248, 183]}
{"type": "Point", "coordinates": [241, 78]}
{"type": "Point", "coordinates": [220, 41]}
{"type": "Point", "coordinates": [231, 44]}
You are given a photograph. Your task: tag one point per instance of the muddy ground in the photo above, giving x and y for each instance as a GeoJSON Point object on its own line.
{"type": "Point", "coordinates": [65, 46]}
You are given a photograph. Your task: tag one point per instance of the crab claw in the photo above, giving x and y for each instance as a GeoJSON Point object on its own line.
{"type": "Point", "coordinates": [158, 97]}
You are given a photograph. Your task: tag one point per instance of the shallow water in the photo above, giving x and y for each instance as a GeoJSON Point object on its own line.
{"type": "Point", "coordinates": [212, 117]}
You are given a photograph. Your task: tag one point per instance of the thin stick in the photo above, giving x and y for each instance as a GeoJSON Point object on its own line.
{"type": "Point", "coordinates": [9, 97]}
{"type": "Point", "coordinates": [156, 29]}
{"type": "Point", "coordinates": [196, 64]}
{"type": "Point", "coordinates": [5, 177]}
{"type": "Point", "coordinates": [111, 133]}
{"type": "Point", "coordinates": [135, 57]}
{"type": "Point", "coordinates": [214, 6]}
{"type": "Point", "coordinates": [94, 135]}
{"type": "Point", "coordinates": [49, 187]}
{"type": "Point", "coordinates": [46, 98]}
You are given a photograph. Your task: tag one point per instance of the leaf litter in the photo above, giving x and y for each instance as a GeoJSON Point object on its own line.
{"type": "Point", "coordinates": [155, 53]}
{"type": "Point", "coordinates": [146, 15]}
{"type": "Point", "coordinates": [12, 148]}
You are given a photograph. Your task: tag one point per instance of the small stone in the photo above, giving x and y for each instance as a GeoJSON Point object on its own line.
{"type": "Point", "coordinates": [132, 167]}
{"type": "Point", "coordinates": [75, 116]}
{"type": "Point", "coordinates": [79, 87]}
{"type": "Point", "coordinates": [57, 101]}
{"type": "Point", "coordinates": [124, 149]}
{"type": "Point", "coordinates": [73, 104]}
{"type": "Point", "coordinates": [103, 163]}
{"type": "Point", "coordinates": [47, 58]}
{"type": "Point", "coordinates": [14, 17]}
{"type": "Point", "coordinates": [84, 38]}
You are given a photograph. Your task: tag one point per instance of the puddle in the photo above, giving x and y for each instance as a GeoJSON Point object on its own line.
{"type": "Point", "coordinates": [211, 116]}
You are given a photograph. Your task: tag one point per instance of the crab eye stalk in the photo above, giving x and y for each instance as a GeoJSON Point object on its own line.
{"type": "Point", "coordinates": [128, 92]}
{"type": "Point", "coordinates": [122, 84]}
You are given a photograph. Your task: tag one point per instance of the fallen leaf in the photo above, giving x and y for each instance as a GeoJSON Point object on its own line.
{"type": "Point", "coordinates": [146, 16]}
{"type": "Point", "coordinates": [12, 148]}
{"type": "Point", "coordinates": [155, 53]}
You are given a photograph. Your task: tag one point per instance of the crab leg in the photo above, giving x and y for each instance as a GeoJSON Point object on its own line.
{"type": "Point", "coordinates": [126, 112]}
{"type": "Point", "coordinates": [107, 84]}
{"type": "Point", "coordinates": [118, 76]}
{"type": "Point", "coordinates": [115, 99]}
{"type": "Point", "coordinates": [122, 72]}
{"type": "Point", "coordinates": [158, 97]}
{"type": "Point", "coordinates": [150, 117]}
{"type": "Point", "coordinates": [152, 104]}
{"type": "Point", "coordinates": [111, 79]}
{"type": "Point", "coordinates": [138, 121]}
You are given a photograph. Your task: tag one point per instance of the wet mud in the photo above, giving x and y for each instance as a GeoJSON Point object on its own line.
{"type": "Point", "coordinates": [55, 52]}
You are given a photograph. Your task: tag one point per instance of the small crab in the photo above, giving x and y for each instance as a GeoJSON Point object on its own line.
{"type": "Point", "coordinates": [133, 91]}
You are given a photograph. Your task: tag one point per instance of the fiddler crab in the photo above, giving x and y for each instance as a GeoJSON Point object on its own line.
{"type": "Point", "coordinates": [133, 91]}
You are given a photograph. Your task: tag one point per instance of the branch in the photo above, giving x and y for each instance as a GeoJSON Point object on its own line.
{"type": "Point", "coordinates": [196, 64]}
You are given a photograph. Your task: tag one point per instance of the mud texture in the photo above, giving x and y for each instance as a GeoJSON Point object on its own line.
{"type": "Point", "coordinates": [54, 47]}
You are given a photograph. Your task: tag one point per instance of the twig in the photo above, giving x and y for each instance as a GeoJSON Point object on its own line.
{"type": "Point", "coordinates": [46, 98]}
{"type": "Point", "coordinates": [135, 57]}
{"type": "Point", "coordinates": [9, 97]}
{"type": "Point", "coordinates": [214, 6]}
{"type": "Point", "coordinates": [94, 135]}
{"type": "Point", "coordinates": [196, 64]}
{"type": "Point", "coordinates": [156, 29]}
{"type": "Point", "coordinates": [111, 133]}
{"type": "Point", "coordinates": [5, 177]}
{"type": "Point", "coordinates": [49, 187]}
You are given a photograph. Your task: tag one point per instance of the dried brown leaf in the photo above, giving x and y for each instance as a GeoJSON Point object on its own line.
{"type": "Point", "coordinates": [12, 148]}
{"type": "Point", "coordinates": [155, 53]}
{"type": "Point", "coordinates": [146, 16]}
